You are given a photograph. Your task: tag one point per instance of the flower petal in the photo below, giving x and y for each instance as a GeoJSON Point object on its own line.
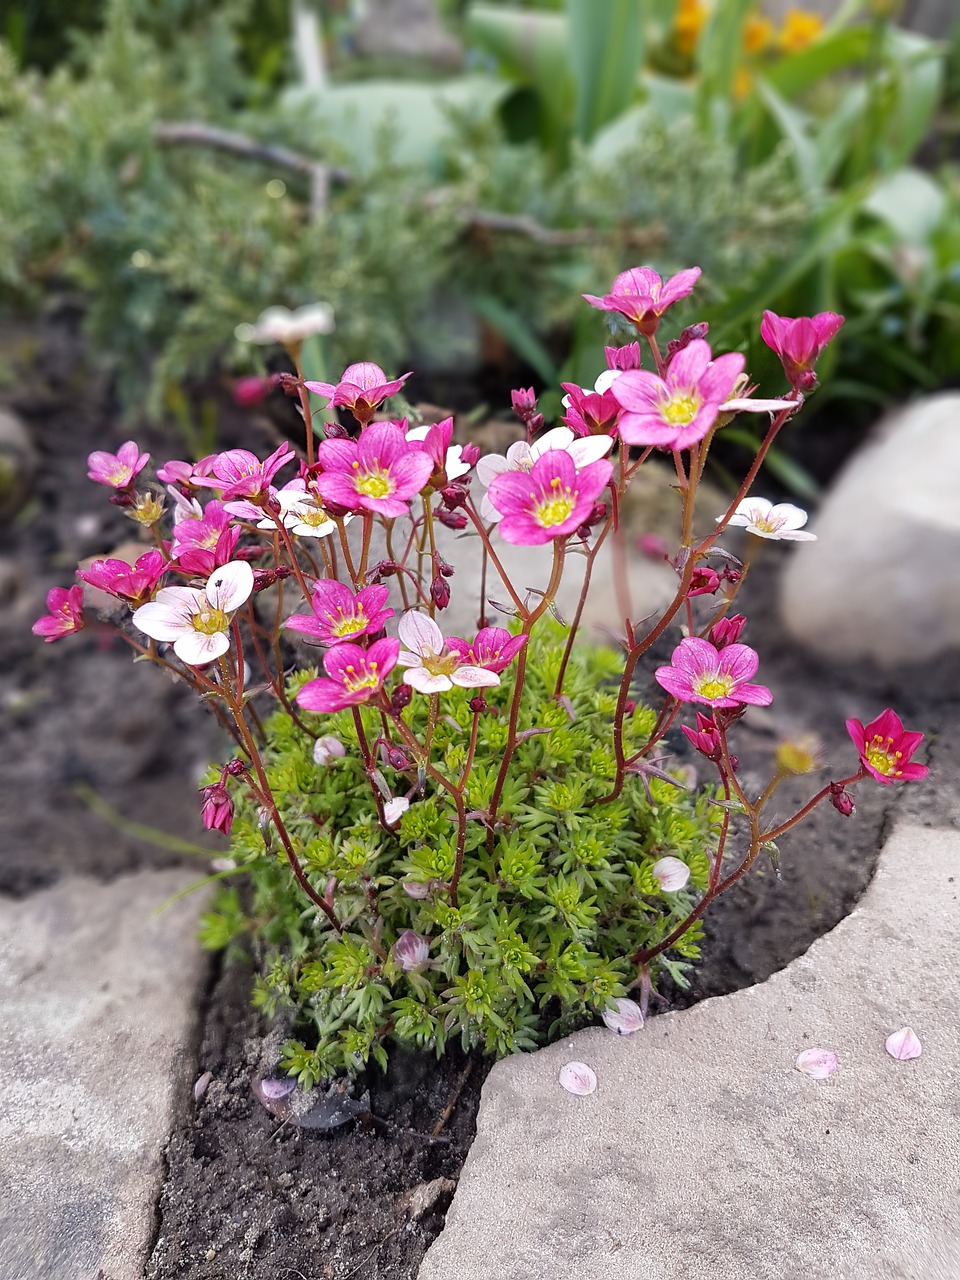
{"type": "Point", "coordinates": [419, 632]}
{"type": "Point", "coordinates": [578, 1078]}
{"type": "Point", "coordinates": [817, 1063]}
{"type": "Point", "coordinates": [903, 1045]}
{"type": "Point", "coordinates": [623, 1016]}
{"type": "Point", "coordinates": [230, 586]}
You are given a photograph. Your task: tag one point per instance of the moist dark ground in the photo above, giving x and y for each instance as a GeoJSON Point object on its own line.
{"type": "Point", "coordinates": [245, 1197]}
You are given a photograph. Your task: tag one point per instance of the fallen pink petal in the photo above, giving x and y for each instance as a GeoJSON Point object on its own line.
{"type": "Point", "coordinates": [818, 1064]}
{"type": "Point", "coordinates": [578, 1078]}
{"type": "Point", "coordinates": [904, 1045]}
{"type": "Point", "coordinates": [623, 1016]}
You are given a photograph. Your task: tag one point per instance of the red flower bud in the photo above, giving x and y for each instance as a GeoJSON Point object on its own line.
{"type": "Point", "coordinates": [217, 811]}
{"type": "Point", "coordinates": [841, 800]}
{"type": "Point", "coordinates": [440, 591]}
{"type": "Point", "coordinates": [453, 496]}
{"type": "Point", "coordinates": [704, 582]}
{"type": "Point", "coordinates": [524, 402]}
{"type": "Point", "coordinates": [726, 631]}
{"type": "Point", "coordinates": [397, 759]}
{"type": "Point", "coordinates": [477, 704]}
{"type": "Point", "coordinates": [382, 569]}
{"type": "Point", "coordinates": [452, 519]}
{"type": "Point", "coordinates": [400, 698]}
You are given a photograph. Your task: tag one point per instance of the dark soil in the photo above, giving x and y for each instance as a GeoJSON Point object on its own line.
{"type": "Point", "coordinates": [246, 1197]}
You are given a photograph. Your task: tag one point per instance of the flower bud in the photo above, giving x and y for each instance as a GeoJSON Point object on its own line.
{"type": "Point", "coordinates": [470, 455]}
{"type": "Point", "coordinates": [327, 749]}
{"type": "Point", "coordinates": [334, 431]}
{"type": "Point", "coordinates": [670, 874]}
{"type": "Point", "coordinates": [524, 402]}
{"type": "Point", "coordinates": [705, 738]}
{"type": "Point", "coordinates": [705, 582]}
{"type": "Point", "coordinates": [653, 546]}
{"type": "Point", "coordinates": [397, 759]}
{"type": "Point", "coordinates": [236, 768]}
{"type": "Point", "coordinates": [382, 569]}
{"type": "Point", "coordinates": [454, 495]}
{"type": "Point", "coordinates": [400, 698]}
{"type": "Point", "coordinates": [217, 811]}
{"type": "Point", "coordinates": [627, 357]}
{"type": "Point", "coordinates": [477, 704]}
{"type": "Point", "coordinates": [727, 631]}
{"type": "Point", "coordinates": [452, 519]}
{"type": "Point", "coordinates": [841, 800]}
{"type": "Point", "coordinates": [250, 391]}
{"type": "Point", "coordinates": [692, 333]}
{"type": "Point", "coordinates": [411, 951]}
{"type": "Point", "coordinates": [440, 591]}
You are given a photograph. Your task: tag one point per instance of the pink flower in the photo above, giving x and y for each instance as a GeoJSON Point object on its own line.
{"type": "Point", "coordinates": [551, 502]}
{"type": "Point", "coordinates": [590, 413]}
{"type": "Point", "coordinates": [727, 631]}
{"type": "Point", "coordinates": [434, 665]}
{"type": "Point", "coordinates": [339, 615]}
{"type": "Point", "coordinates": [641, 296]}
{"type": "Point", "coordinates": [117, 469]}
{"type": "Point", "coordinates": [65, 614]}
{"type": "Point", "coordinates": [354, 675]}
{"type": "Point", "coordinates": [201, 533]}
{"type": "Point", "coordinates": [380, 472]}
{"type": "Point", "coordinates": [448, 461]}
{"type": "Point", "coordinates": [719, 678]}
{"type": "Point", "coordinates": [627, 357]}
{"type": "Point", "coordinates": [799, 343]}
{"type": "Point", "coordinates": [217, 811]}
{"type": "Point", "coordinates": [411, 951]}
{"type": "Point", "coordinates": [135, 583]}
{"type": "Point", "coordinates": [494, 649]}
{"type": "Point", "coordinates": [671, 874]}
{"type": "Point", "coordinates": [250, 391]}
{"type": "Point", "coordinates": [780, 522]}
{"type": "Point", "coordinates": [705, 738]}
{"type": "Point", "coordinates": [678, 410]}
{"type": "Point", "coordinates": [886, 747]}
{"type": "Point", "coordinates": [362, 389]}
{"type": "Point", "coordinates": [197, 622]}
{"type": "Point", "coordinates": [705, 582]}
{"type": "Point", "coordinates": [521, 456]}
{"type": "Point", "coordinates": [241, 474]}
{"type": "Point", "coordinates": [186, 473]}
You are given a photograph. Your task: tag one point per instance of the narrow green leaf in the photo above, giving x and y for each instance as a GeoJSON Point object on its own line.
{"type": "Point", "coordinates": [606, 53]}
{"type": "Point", "coordinates": [520, 336]}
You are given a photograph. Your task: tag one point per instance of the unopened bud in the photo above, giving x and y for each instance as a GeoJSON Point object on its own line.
{"type": "Point", "coordinates": [335, 431]}
{"type": "Point", "coordinates": [653, 546]}
{"type": "Point", "coordinates": [470, 455]}
{"type": "Point", "coordinates": [217, 811]}
{"type": "Point", "coordinates": [440, 592]}
{"type": "Point", "coordinates": [250, 391]}
{"type": "Point", "coordinates": [382, 569]}
{"type": "Point", "coordinates": [453, 496]}
{"type": "Point", "coordinates": [327, 749]}
{"type": "Point", "coordinates": [692, 333]}
{"type": "Point", "coordinates": [670, 874]}
{"type": "Point", "coordinates": [524, 402]}
{"type": "Point", "coordinates": [400, 698]}
{"type": "Point", "coordinates": [726, 631]}
{"type": "Point", "coordinates": [263, 578]}
{"type": "Point", "coordinates": [452, 519]}
{"type": "Point", "coordinates": [235, 768]}
{"type": "Point", "coordinates": [841, 800]}
{"type": "Point", "coordinates": [397, 759]}
{"type": "Point", "coordinates": [627, 357]}
{"type": "Point", "coordinates": [477, 704]}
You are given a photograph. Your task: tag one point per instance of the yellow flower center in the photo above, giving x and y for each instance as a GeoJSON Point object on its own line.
{"type": "Point", "coordinates": [373, 484]}
{"type": "Point", "coordinates": [440, 664]}
{"type": "Point", "coordinates": [350, 624]}
{"type": "Point", "coordinates": [556, 507]}
{"type": "Point", "coordinates": [768, 524]}
{"type": "Point", "coordinates": [680, 409]}
{"type": "Point", "coordinates": [209, 621]}
{"type": "Point", "coordinates": [366, 678]}
{"type": "Point", "coordinates": [714, 684]}
{"type": "Point", "coordinates": [881, 755]}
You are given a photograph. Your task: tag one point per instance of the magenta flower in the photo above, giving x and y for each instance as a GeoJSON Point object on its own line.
{"type": "Point", "coordinates": [217, 811]}
{"type": "Point", "coordinates": [241, 474]}
{"type": "Point", "coordinates": [197, 622]}
{"type": "Point", "coordinates": [362, 389]}
{"type": "Point", "coordinates": [590, 413]}
{"type": "Point", "coordinates": [434, 664]}
{"type": "Point", "coordinates": [705, 738]}
{"type": "Point", "coordinates": [339, 615]}
{"type": "Point", "coordinates": [64, 614]}
{"type": "Point", "coordinates": [719, 678]}
{"type": "Point", "coordinates": [135, 583]}
{"type": "Point", "coordinates": [448, 459]}
{"type": "Point", "coordinates": [886, 747]}
{"type": "Point", "coordinates": [623, 358]}
{"type": "Point", "coordinates": [641, 296]}
{"type": "Point", "coordinates": [727, 631]}
{"type": "Point", "coordinates": [201, 533]}
{"type": "Point", "coordinates": [678, 410]}
{"type": "Point", "coordinates": [187, 474]}
{"type": "Point", "coordinates": [380, 472]}
{"type": "Point", "coordinates": [551, 501]}
{"type": "Point", "coordinates": [494, 649]}
{"type": "Point", "coordinates": [117, 469]}
{"type": "Point", "coordinates": [354, 675]}
{"type": "Point", "coordinates": [799, 343]}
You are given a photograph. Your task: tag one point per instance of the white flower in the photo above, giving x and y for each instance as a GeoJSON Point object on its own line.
{"type": "Point", "coordinates": [670, 874]}
{"type": "Point", "coordinates": [394, 810]}
{"type": "Point", "coordinates": [817, 1063]}
{"type": "Point", "coordinates": [434, 667]}
{"type": "Point", "coordinates": [327, 749]}
{"type": "Point", "coordinates": [578, 1078]}
{"type": "Point", "coordinates": [301, 512]}
{"type": "Point", "coordinates": [197, 622]}
{"type": "Point", "coordinates": [289, 328]}
{"type": "Point", "coordinates": [780, 522]}
{"type": "Point", "coordinates": [903, 1045]}
{"type": "Point", "coordinates": [521, 457]}
{"type": "Point", "coordinates": [454, 465]}
{"type": "Point", "coordinates": [623, 1016]}
{"type": "Point", "coordinates": [747, 404]}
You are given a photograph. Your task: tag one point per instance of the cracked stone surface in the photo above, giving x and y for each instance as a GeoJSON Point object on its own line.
{"type": "Point", "coordinates": [97, 1014]}
{"type": "Point", "coordinates": [705, 1153]}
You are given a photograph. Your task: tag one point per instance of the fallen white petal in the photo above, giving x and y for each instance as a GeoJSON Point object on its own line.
{"type": "Point", "coordinates": [903, 1045]}
{"type": "Point", "coordinates": [623, 1016]}
{"type": "Point", "coordinates": [578, 1078]}
{"type": "Point", "coordinates": [817, 1063]}
{"type": "Point", "coordinates": [394, 810]}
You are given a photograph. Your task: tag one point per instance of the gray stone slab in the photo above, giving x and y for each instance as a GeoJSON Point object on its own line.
{"type": "Point", "coordinates": [704, 1153]}
{"type": "Point", "coordinates": [97, 1021]}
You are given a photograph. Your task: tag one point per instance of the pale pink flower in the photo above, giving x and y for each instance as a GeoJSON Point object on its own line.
{"type": "Point", "coordinates": [197, 622]}
{"type": "Point", "coordinates": [780, 521]}
{"type": "Point", "coordinates": [552, 501]}
{"type": "Point", "coordinates": [327, 749]}
{"type": "Point", "coordinates": [718, 678]}
{"type": "Point", "coordinates": [642, 297]}
{"type": "Point", "coordinates": [817, 1063]}
{"type": "Point", "coordinates": [394, 809]}
{"type": "Point", "coordinates": [623, 1016]}
{"type": "Point", "coordinates": [904, 1045]}
{"type": "Point", "coordinates": [354, 675]}
{"type": "Point", "coordinates": [885, 748]}
{"type": "Point", "coordinates": [671, 874]}
{"type": "Point", "coordinates": [679, 409]}
{"type": "Point", "coordinates": [117, 469]}
{"type": "Point", "coordinates": [433, 666]}
{"type": "Point", "coordinates": [521, 457]}
{"type": "Point", "coordinates": [301, 512]}
{"type": "Point", "coordinates": [578, 1078]}
{"type": "Point", "coordinates": [411, 951]}
{"type": "Point", "coordinates": [799, 343]}
{"type": "Point", "coordinates": [290, 328]}
{"type": "Point", "coordinates": [362, 389]}
{"type": "Point", "coordinates": [64, 614]}
{"type": "Point", "coordinates": [379, 472]}
{"type": "Point", "coordinates": [340, 614]}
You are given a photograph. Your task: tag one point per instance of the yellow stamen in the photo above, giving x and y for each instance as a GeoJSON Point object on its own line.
{"type": "Point", "coordinates": [554, 509]}
{"type": "Point", "coordinates": [680, 409]}
{"type": "Point", "coordinates": [880, 754]}
{"type": "Point", "coordinates": [714, 684]}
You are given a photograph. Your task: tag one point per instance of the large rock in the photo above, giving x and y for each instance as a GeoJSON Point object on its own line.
{"type": "Point", "coordinates": [704, 1153]}
{"type": "Point", "coordinates": [881, 581]}
{"type": "Point", "coordinates": [98, 1000]}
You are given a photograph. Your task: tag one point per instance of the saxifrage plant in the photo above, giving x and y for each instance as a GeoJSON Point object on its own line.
{"type": "Point", "coordinates": [474, 836]}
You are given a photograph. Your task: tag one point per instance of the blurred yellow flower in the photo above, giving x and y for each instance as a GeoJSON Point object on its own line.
{"type": "Point", "coordinates": [742, 84]}
{"type": "Point", "coordinates": [688, 23]}
{"type": "Point", "coordinates": [799, 29]}
{"type": "Point", "coordinates": [757, 33]}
